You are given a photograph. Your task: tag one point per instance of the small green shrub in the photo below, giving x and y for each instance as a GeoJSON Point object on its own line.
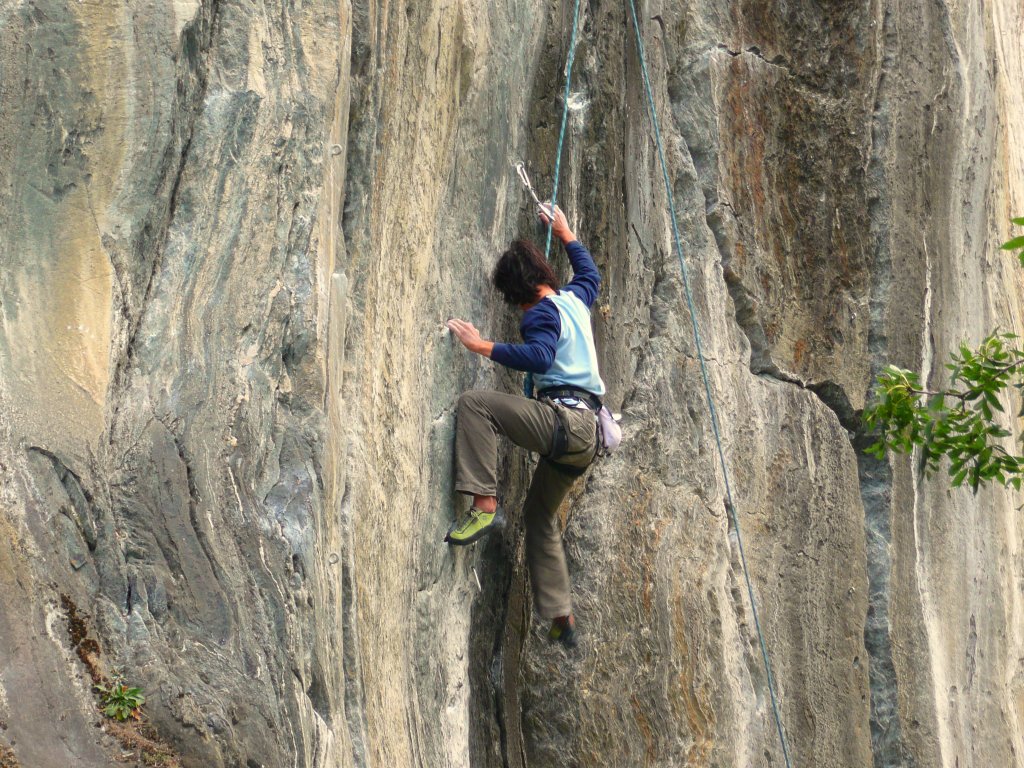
{"type": "Point", "coordinates": [120, 701]}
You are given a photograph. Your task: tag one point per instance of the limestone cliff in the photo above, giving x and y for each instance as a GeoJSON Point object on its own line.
{"type": "Point", "coordinates": [230, 234]}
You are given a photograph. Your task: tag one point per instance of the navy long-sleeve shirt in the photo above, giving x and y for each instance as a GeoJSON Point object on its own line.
{"type": "Point", "coordinates": [541, 325]}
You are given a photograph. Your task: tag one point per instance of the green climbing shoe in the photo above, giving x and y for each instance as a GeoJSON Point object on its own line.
{"type": "Point", "coordinates": [563, 630]}
{"type": "Point", "coordinates": [476, 525]}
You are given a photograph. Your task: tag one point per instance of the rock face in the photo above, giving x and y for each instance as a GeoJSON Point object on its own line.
{"type": "Point", "coordinates": [230, 234]}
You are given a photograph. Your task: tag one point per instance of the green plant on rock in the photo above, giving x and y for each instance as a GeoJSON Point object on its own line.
{"type": "Point", "coordinates": [1017, 243]}
{"type": "Point", "coordinates": [962, 423]}
{"type": "Point", "coordinates": [120, 701]}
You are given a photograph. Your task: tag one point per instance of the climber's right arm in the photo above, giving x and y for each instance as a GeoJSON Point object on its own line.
{"type": "Point", "coordinates": [586, 280]}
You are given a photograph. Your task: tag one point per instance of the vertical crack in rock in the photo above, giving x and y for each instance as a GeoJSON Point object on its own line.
{"type": "Point", "coordinates": [361, 133]}
{"type": "Point", "coordinates": [721, 221]}
{"type": "Point", "coordinates": [355, 704]}
{"type": "Point", "coordinates": [497, 677]}
{"type": "Point", "coordinates": [196, 41]}
{"type": "Point", "coordinates": [887, 744]}
{"type": "Point", "coordinates": [208, 550]}
{"type": "Point", "coordinates": [495, 643]}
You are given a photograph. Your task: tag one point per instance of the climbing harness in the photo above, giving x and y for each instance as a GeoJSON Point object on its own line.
{"type": "Point", "coordinates": [559, 450]}
{"type": "Point", "coordinates": [707, 385]}
{"type": "Point", "coordinates": [609, 433]}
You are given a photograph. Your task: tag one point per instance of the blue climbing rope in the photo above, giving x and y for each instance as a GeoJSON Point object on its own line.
{"type": "Point", "coordinates": [707, 384]}
{"type": "Point", "coordinates": [565, 120]}
{"type": "Point", "coordinates": [528, 380]}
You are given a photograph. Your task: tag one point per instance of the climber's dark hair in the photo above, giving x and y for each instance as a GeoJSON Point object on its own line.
{"type": "Point", "coordinates": [520, 271]}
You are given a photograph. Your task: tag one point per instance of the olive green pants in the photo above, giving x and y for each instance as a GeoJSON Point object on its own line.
{"type": "Point", "coordinates": [482, 416]}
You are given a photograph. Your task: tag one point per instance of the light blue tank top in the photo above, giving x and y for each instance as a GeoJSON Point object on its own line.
{"type": "Point", "coordinates": [575, 356]}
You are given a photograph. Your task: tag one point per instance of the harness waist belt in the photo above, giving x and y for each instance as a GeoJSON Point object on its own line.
{"type": "Point", "coordinates": [592, 401]}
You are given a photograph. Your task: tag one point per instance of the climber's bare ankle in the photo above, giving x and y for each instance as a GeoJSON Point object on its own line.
{"type": "Point", "coordinates": [485, 503]}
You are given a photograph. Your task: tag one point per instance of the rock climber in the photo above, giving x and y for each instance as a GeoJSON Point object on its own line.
{"type": "Point", "coordinates": [560, 424]}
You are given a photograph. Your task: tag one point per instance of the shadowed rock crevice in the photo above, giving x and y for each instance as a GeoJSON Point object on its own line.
{"type": "Point", "coordinates": [776, 61]}
{"type": "Point", "coordinates": [136, 270]}
{"type": "Point", "coordinates": [888, 746]}
{"type": "Point", "coordinates": [720, 221]}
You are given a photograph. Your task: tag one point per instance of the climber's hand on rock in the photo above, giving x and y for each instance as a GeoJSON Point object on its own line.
{"type": "Point", "coordinates": [470, 337]}
{"type": "Point", "coordinates": [561, 226]}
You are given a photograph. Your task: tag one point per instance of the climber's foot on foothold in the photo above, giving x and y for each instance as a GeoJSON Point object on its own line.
{"type": "Point", "coordinates": [563, 630]}
{"type": "Point", "coordinates": [475, 526]}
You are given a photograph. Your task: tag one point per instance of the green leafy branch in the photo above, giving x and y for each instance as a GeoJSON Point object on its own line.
{"type": "Point", "coordinates": [961, 422]}
{"type": "Point", "coordinates": [1017, 243]}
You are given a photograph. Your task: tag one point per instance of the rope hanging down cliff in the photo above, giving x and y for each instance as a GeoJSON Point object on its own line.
{"type": "Point", "coordinates": [641, 55]}
{"type": "Point", "coordinates": [565, 119]}
{"type": "Point", "coordinates": [521, 169]}
{"type": "Point", "coordinates": [707, 384]}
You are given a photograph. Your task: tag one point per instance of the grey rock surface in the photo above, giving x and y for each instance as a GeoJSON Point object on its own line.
{"type": "Point", "coordinates": [230, 235]}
